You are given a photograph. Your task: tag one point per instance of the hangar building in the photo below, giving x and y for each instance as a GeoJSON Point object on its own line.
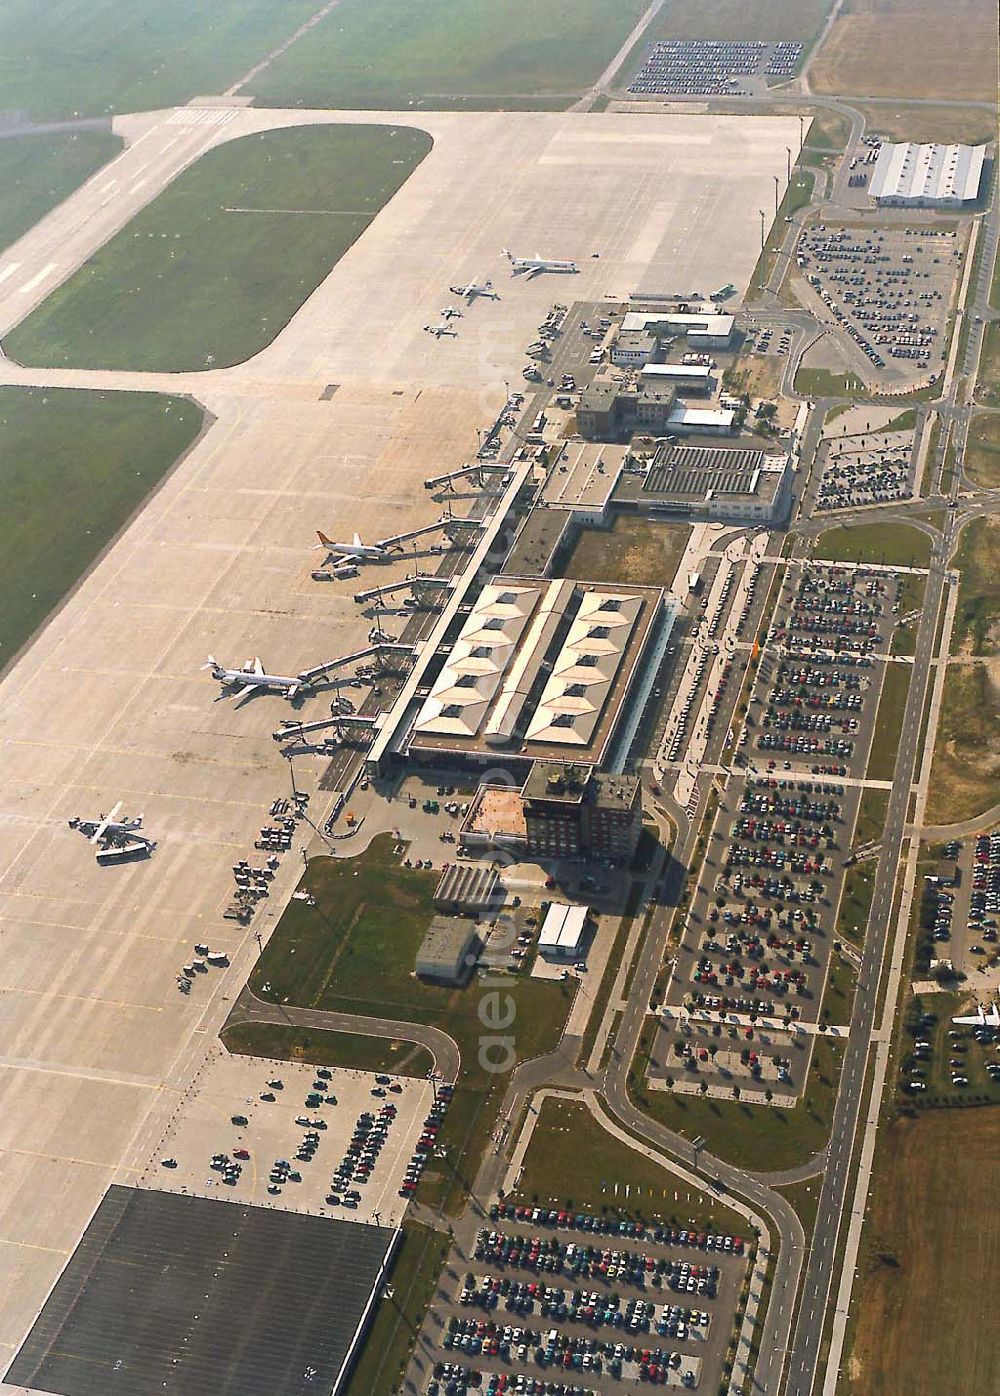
{"type": "Point", "coordinates": [927, 176]}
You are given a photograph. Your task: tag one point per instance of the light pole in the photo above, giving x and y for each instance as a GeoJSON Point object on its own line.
{"type": "Point", "coordinates": [802, 132]}
{"type": "Point", "coordinates": [761, 212]}
{"type": "Point", "coordinates": [777, 182]}
{"type": "Point", "coordinates": [788, 153]}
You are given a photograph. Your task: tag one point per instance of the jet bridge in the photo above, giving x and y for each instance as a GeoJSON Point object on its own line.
{"type": "Point", "coordinates": [441, 526]}
{"type": "Point", "coordinates": [480, 468]}
{"type": "Point", "coordinates": [417, 581]}
{"type": "Point", "coordinates": [321, 670]}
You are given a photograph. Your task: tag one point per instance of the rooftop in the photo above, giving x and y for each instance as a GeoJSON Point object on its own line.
{"type": "Point", "coordinates": [911, 171]}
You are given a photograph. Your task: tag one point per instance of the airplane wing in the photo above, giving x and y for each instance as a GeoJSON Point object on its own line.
{"type": "Point", "coordinates": [104, 821]}
{"type": "Point", "coordinates": [243, 693]}
{"type": "Point", "coordinates": [258, 668]}
{"type": "Point", "coordinates": [291, 692]}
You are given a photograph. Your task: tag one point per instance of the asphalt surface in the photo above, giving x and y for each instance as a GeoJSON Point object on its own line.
{"type": "Point", "coordinates": [248, 1008]}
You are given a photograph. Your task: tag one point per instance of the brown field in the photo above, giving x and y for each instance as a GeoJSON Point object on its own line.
{"type": "Point", "coordinates": [911, 48]}
{"type": "Point", "coordinates": [634, 550]}
{"type": "Point", "coordinates": [965, 772]}
{"type": "Point", "coordinates": [931, 1251]}
{"type": "Point", "coordinates": [988, 388]}
{"type": "Point", "coordinates": [982, 452]}
{"type": "Point", "coordinates": [929, 123]}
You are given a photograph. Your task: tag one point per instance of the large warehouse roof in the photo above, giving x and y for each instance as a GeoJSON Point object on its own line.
{"type": "Point", "coordinates": [928, 173]}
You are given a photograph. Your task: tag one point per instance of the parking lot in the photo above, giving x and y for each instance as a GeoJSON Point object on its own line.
{"type": "Point", "coordinates": [748, 981]}
{"type": "Point", "coordinates": [714, 67]}
{"type": "Point", "coordinates": [889, 289]}
{"type": "Point", "coordinates": [293, 1136]}
{"type": "Point", "coordinates": [864, 467]}
{"type": "Point", "coordinates": [551, 1301]}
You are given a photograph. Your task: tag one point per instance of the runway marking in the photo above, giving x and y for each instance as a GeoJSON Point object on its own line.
{"type": "Point", "coordinates": [9, 270]}
{"type": "Point", "coordinates": [201, 116]}
{"type": "Point", "coordinates": [93, 1073]}
{"type": "Point", "coordinates": [81, 998]}
{"type": "Point", "coordinates": [45, 271]}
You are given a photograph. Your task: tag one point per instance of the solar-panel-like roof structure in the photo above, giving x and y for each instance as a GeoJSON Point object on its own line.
{"type": "Point", "coordinates": [193, 1296]}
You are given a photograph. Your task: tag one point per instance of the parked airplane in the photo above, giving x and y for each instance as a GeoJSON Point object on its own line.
{"type": "Point", "coordinates": [473, 289]}
{"type": "Point", "coordinates": [252, 678]}
{"type": "Point", "coordinates": [439, 330]}
{"type": "Point", "coordinates": [110, 832]}
{"type": "Point", "coordinates": [536, 264]}
{"type": "Point", "coordinates": [982, 1018]}
{"type": "Point", "coordinates": [342, 551]}
{"type": "Point", "coordinates": [451, 312]}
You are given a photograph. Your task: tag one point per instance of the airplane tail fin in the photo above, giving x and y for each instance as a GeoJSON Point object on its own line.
{"type": "Point", "coordinates": [357, 540]}
{"type": "Point", "coordinates": [211, 663]}
{"type": "Point", "coordinates": [326, 542]}
{"type": "Point", "coordinates": [507, 253]}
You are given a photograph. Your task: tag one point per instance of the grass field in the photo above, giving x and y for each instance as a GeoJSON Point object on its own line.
{"type": "Point", "coordinates": [822, 382]}
{"type": "Point", "coordinates": [394, 54]}
{"type": "Point", "coordinates": [74, 466]}
{"type": "Point", "coordinates": [988, 385]}
{"type": "Point", "coordinates": [210, 272]}
{"type": "Point", "coordinates": [354, 952]}
{"type": "Point", "coordinates": [928, 123]}
{"type": "Point", "coordinates": [856, 902]}
{"type": "Point", "coordinates": [982, 451]}
{"type": "Point", "coordinates": [573, 1163]}
{"type": "Point", "coordinates": [757, 1137]}
{"type": "Point", "coordinates": [871, 815]}
{"type": "Point", "coordinates": [39, 171]}
{"type": "Point", "coordinates": [798, 193]}
{"type": "Point", "coordinates": [416, 1267]}
{"type": "Point", "coordinates": [890, 544]}
{"type": "Point", "coordinates": [735, 19]}
{"type": "Point", "coordinates": [635, 550]}
{"type": "Point", "coordinates": [965, 773]}
{"type": "Point", "coordinates": [931, 1242]}
{"type": "Point", "coordinates": [321, 1048]}
{"type": "Point", "coordinates": [910, 49]}
{"type": "Point", "coordinates": [978, 615]}
{"type": "Point", "coordinates": [889, 722]}
{"type": "Point", "coordinates": [64, 59]}
{"type": "Point", "coordinates": [828, 130]}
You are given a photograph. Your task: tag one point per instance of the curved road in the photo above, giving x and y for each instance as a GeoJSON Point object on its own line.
{"type": "Point", "coordinates": [248, 1008]}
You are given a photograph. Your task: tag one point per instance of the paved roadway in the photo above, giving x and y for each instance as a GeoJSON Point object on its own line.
{"type": "Point", "coordinates": [249, 1008]}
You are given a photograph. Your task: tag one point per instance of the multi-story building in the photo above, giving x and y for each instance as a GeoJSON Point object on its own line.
{"type": "Point", "coordinates": [573, 811]}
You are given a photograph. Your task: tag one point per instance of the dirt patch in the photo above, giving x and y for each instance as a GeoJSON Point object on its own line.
{"type": "Point", "coordinates": [982, 452]}
{"type": "Point", "coordinates": [911, 49]}
{"type": "Point", "coordinates": [931, 1237]}
{"type": "Point", "coordinates": [634, 550]}
{"type": "Point", "coordinates": [965, 776]}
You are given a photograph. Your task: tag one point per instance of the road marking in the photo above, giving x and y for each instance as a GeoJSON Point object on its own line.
{"type": "Point", "coordinates": [9, 270]}
{"type": "Point", "coordinates": [45, 271]}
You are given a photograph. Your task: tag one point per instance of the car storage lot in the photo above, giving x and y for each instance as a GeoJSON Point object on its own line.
{"type": "Point", "coordinates": [561, 1301]}
{"type": "Point", "coordinates": [890, 289]}
{"type": "Point", "coordinates": [754, 953]}
{"type": "Point", "coordinates": [206, 1153]}
{"type": "Point", "coordinates": [867, 468]}
{"type": "Point", "coordinates": [714, 67]}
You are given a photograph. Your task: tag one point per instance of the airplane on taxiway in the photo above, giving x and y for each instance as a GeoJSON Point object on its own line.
{"type": "Point", "coordinates": [534, 266]}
